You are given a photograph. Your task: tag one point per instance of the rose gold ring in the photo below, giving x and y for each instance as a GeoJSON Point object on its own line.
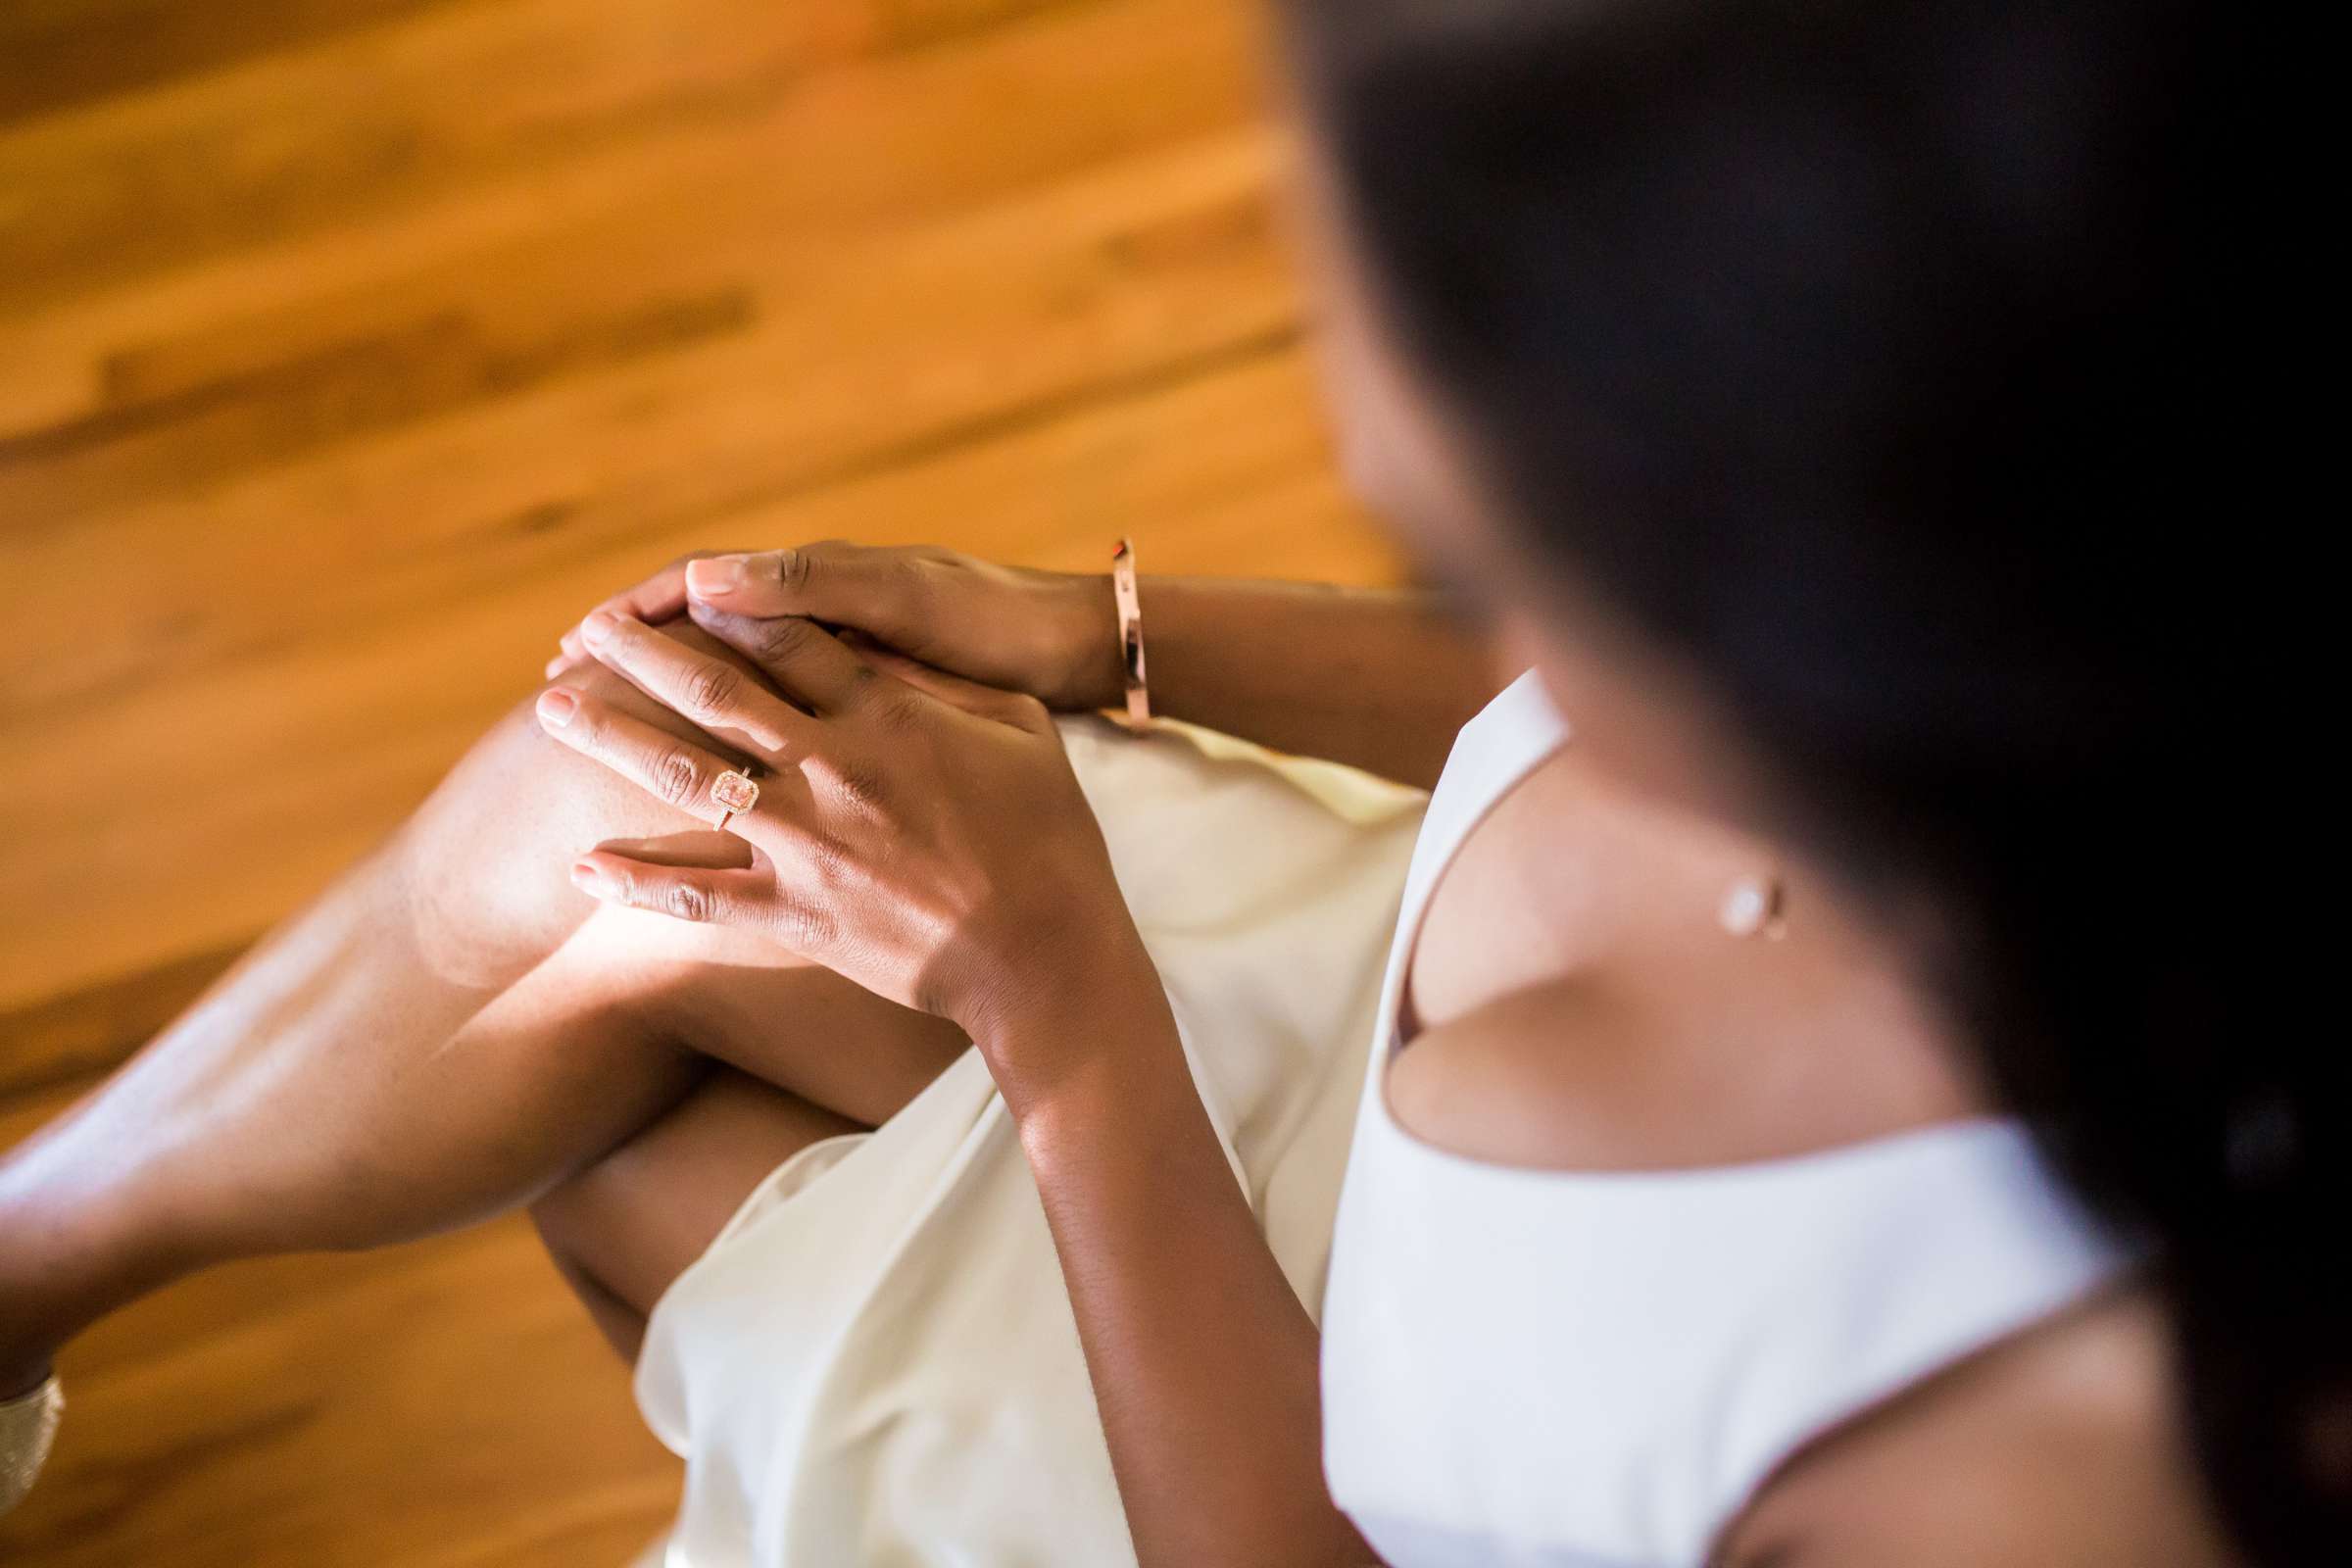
{"type": "Point", "coordinates": [735, 793]}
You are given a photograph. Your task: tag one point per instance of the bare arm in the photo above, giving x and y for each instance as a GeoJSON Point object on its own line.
{"type": "Point", "coordinates": [1204, 1364]}
{"type": "Point", "coordinates": [1379, 679]}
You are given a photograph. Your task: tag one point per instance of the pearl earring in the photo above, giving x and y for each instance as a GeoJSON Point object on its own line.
{"type": "Point", "coordinates": [1755, 905]}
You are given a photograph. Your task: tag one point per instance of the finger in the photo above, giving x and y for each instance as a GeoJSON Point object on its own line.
{"type": "Point", "coordinates": [677, 771]}
{"type": "Point", "coordinates": [805, 661]}
{"type": "Point", "coordinates": [681, 892]}
{"type": "Point", "coordinates": [570, 654]}
{"type": "Point", "coordinates": [659, 598]}
{"type": "Point", "coordinates": [841, 584]}
{"type": "Point", "coordinates": [1017, 708]}
{"type": "Point", "coordinates": [712, 692]}
{"type": "Point", "coordinates": [706, 850]}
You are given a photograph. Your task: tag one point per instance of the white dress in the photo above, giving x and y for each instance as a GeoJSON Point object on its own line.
{"type": "Point", "coordinates": [876, 1363]}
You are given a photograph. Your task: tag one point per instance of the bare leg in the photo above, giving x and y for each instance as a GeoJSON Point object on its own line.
{"type": "Point", "coordinates": [813, 1057]}
{"type": "Point", "coordinates": [376, 1071]}
{"type": "Point", "coordinates": [624, 1229]}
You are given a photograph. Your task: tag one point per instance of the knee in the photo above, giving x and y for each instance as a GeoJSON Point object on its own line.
{"type": "Point", "coordinates": [621, 808]}
{"type": "Point", "coordinates": [560, 1218]}
{"type": "Point", "coordinates": [485, 856]}
{"type": "Point", "coordinates": [517, 753]}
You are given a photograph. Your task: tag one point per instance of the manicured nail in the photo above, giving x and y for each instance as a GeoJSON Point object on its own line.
{"type": "Point", "coordinates": [557, 705]}
{"type": "Point", "coordinates": [721, 574]}
{"type": "Point", "coordinates": [589, 879]}
{"type": "Point", "coordinates": [555, 665]}
{"type": "Point", "coordinates": [598, 626]}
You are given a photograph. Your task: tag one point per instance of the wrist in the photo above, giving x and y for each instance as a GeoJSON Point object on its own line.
{"type": "Point", "coordinates": [1076, 1033]}
{"type": "Point", "coordinates": [1088, 672]}
{"type": "Point", "coordinates": [1128, 1108]}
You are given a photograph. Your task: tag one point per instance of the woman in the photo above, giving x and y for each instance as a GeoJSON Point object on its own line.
{"type": "Point", "coordinates": [1696, 350]}
{"type": "Point", "coordinates": [1780, 378]}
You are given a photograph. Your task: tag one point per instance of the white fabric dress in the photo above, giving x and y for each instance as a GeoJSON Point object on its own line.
{"type": "Point", "coordinates": [875, 1363]}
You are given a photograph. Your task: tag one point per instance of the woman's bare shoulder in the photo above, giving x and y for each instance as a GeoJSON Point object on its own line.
{"type": "Point", "coordinates": [2061, 1444]}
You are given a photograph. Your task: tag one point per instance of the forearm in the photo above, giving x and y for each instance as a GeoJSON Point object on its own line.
{"type": "Point", "coordinates": [1378, 679]}
{"type": "Point", "coordinates": [1375, 677]}
{"type": "Point", "coordinates": [1202, 1360]}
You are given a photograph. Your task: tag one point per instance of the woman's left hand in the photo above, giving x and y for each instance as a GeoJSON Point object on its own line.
{"type": "Point", "coordinates": [917, 833]}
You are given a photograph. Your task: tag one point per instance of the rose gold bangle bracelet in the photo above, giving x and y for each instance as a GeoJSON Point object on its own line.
{"type": "Point", "coordinates": [1131, 632]}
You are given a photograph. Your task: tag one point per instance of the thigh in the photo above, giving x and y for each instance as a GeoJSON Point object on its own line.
{"type": "Point", "coordinates": [625, 1227]}
{"type": "Point", "coordinates": [798, 1055]}
{"type": "Point", "coordinates": [741, 1000]}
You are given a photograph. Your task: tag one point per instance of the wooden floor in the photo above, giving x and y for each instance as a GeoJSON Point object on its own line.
{"type": "Point", "coordinates": [348, 349]}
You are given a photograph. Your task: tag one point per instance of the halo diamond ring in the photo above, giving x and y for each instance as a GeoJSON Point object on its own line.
{"type": "Point", "coordinates": [735, 793]}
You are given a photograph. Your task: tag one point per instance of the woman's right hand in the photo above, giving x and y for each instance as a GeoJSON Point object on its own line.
{"type": "Point", "coordinates": [1054, 635]}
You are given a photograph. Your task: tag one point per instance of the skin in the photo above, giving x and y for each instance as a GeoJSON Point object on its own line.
{"type": "Point", "coordinates": [897, 844]}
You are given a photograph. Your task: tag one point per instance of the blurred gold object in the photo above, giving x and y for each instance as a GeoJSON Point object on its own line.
{"type": "Point", "coordinates": [27, 1426]}
{"type": "Point", "coordinates": [1131, 633]}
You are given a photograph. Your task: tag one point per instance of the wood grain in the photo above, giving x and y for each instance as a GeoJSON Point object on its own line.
{"type": "Point", "coordinates": [349, 349]}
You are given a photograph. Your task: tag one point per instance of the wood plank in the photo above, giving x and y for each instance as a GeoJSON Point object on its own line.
{"type": "Point", "coordinates": [285, 143]}
{"type": "Point", "coordinates": [62, 52]}
{"type": "Point", "coordinates": [1021, 304]}
{"type": "Point", "coordinates": [737, 91]}
{"type": "Point", "coordinates": [878, 147]}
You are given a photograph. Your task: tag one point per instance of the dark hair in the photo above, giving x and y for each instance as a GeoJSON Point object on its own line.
{"type": "Point", "coordinates": [1869, 354]}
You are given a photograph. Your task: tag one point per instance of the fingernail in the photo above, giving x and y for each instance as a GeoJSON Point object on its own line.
{"type": "Point", "coordinates": [557, 665]}
{"type": "Point", "coordinates": [721, 574]}
{"type": "Point", "coordinates": [557, 705]}
{"type": "Point", "coordinates": [589, 879]}
{"type": "Point", "coordinates": [598, 626]}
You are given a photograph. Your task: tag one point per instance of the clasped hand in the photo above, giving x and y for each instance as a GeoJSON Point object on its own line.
{"type": "Point", "coordinates": [916, 832]}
